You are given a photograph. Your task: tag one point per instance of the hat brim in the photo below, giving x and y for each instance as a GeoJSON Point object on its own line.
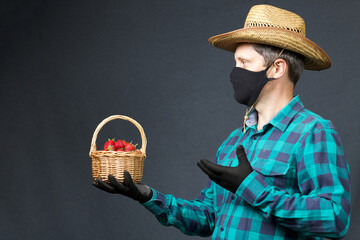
{"type": "Point", "coordinates": [315, 57]}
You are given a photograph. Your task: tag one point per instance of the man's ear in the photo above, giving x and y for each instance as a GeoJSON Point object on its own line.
{"type": "Point", "coordinates": [279, 68]}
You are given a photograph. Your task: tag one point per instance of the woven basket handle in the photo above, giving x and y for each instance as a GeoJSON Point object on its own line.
{"type": "Point", "coordinates": [142, 133]}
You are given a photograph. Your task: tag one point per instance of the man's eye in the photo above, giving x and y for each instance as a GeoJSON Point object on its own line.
{"type": "Point", "coordinates": [241, 62]}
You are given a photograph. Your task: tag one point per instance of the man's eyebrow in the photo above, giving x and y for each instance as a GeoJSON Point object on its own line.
{"type": "Point", "coordinates": [241, 57]}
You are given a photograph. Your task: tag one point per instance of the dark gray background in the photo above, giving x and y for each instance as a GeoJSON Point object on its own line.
{"type": "Point", "coordinates": [67, 65]}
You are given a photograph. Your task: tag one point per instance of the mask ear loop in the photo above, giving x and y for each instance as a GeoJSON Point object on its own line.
{"type": "Point", "coordinates": [246, 117]}
{"type": "Point", "coordinates": [273, 63]}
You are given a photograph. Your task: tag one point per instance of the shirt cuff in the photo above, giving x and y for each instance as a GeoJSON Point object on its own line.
{"type": "Point", "coordinates": [252, 187]}
{"type": "Point", "coordinates": [157, 203]}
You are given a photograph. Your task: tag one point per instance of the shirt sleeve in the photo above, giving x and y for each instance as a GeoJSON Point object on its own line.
{"type": "Point", "coordinates": [191, 217]}
{"type": "Point", "coordinates": [322, 207]}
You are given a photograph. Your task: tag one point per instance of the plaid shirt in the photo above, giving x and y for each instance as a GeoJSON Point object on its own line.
{"type": "Point", "coordinates": [299, 189]}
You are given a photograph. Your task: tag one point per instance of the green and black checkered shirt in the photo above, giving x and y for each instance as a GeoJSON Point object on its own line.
{"type": "Point", "coordinates": [299, 189]}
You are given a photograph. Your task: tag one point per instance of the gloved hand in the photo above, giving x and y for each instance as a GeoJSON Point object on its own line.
{"type": "Point", "coordinates": [137, 191]}
{"type": "Point", "coordinates": [229, 178]}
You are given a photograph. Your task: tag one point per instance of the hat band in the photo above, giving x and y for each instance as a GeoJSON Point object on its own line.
{"type": "Point", "coordinates": [265, 24]}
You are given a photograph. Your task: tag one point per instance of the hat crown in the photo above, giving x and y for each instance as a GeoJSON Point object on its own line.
{"type": "Point", "coordinates": [270, 16]}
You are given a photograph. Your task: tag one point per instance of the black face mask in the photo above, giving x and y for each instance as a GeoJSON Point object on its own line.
{"type": "Point", "coordinates": [248, 84]}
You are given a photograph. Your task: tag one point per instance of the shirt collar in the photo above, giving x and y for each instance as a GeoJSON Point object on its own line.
{"type": "Point", "coordinates": [282, 118]}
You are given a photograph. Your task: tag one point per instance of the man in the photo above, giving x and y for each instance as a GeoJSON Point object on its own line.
{"type": "Point", "coordinates": [282, 175]}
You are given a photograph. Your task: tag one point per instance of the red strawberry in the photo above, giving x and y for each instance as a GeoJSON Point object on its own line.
{"type": "Point", "coordinates": [110, 145]}
{"type": "Point", "coordinates": [119, 144]}
{"type": "Point", "coordinates": [129, 147]}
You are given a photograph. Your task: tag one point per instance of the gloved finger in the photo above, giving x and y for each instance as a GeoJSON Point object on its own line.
{"type": "Point", "coordinates": [128, 181]}
{"type": "Point", "coordinates": [103, 186]}
{"type": "Point", "coordinates": [211, 175]}
{"type": "Point", "coordinates": [115, 184]}
{"type": "Point", "coordinates": [215, 168]}
{"type": "Point", "coordinates": [240, 152]}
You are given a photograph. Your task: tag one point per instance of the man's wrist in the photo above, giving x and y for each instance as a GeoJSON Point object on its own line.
{"type": "Point", "coordinates": [146, 193]}
{"type": "Point", "coordinates": [252, 187]}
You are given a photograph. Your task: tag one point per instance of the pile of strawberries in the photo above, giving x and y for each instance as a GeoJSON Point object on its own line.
{"type": "Point", "coordinates": [120, 146]}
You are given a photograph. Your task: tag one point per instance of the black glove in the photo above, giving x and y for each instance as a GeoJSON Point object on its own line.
{"type": "Point", "coordinates": [229, 178]}
{"type": "Point", "coordinates": [137, 191]}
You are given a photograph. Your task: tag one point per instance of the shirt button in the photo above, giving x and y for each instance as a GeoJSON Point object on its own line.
{"type": "Point", "coordinates": [232, 196]}
{"type": "Point", "coordinates": [222, 229]}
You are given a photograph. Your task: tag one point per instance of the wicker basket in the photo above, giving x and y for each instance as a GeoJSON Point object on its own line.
{"type": "Point", "coordinates": [114, 163]}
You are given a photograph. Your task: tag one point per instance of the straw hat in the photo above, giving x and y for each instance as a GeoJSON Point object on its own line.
{"type": "Point", "coordinates": [277, 27]}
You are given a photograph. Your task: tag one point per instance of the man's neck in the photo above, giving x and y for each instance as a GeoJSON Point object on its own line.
{"type": "Point", "coordinates": [268, 107]}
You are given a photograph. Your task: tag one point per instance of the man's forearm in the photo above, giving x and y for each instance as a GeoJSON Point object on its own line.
{"type": "Point", "coordinates": [310, 214]}
{"type": "Point", "coordinates": [191, 217]}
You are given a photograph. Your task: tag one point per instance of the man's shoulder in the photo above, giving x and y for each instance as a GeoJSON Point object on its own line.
{"type": "Point", "coordinates": [312, 121]}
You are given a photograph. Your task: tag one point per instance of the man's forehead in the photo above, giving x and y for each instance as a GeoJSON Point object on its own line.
{"type": "Point", "coordinates": [245, 51]}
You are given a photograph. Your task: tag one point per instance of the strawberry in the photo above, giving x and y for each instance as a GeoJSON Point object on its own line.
{"type": "Point", "coordinates": [119, 144]}
{"type": "Point", "coordinates": [110, 145]}
{"type": "Point", "coordinates": [129, 147]}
